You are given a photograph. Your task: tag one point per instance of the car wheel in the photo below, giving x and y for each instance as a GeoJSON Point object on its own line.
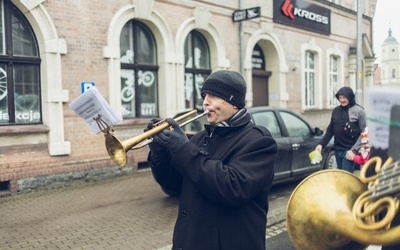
{"type": "Point", "coordinates": [330, 162]}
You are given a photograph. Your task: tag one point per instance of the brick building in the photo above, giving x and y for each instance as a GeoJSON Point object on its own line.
{"type": "Point", "coordinates": [149, 58]}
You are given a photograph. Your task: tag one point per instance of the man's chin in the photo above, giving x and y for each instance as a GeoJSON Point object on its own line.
{"type": "Point", "coordinates": [210, 121]}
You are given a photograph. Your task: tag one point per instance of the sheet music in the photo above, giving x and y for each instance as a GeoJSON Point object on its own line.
{"type": "Point", "coordinates": [92, 104]}
{"type": "Point", "coordinates": [379, 102]}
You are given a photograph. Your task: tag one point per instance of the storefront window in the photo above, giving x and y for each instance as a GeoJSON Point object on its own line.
{"type": "Point", "coordinates": [2, 30]}
{"type": "Point", "coordinates": [257, 58]}
{"type": "Point", "coordinates": [197, 68]}
{"type": "Point", "coordinates": [139, 83]}
{"type": "Point", "coordinates": [20, 100]}
{"type": "Point", "coordinates": [26, 94]}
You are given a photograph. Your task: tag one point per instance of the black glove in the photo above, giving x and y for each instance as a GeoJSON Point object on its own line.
{"type": "Point", "coordinates": [174, 139]}
{"type": "Point", "coordinates": [155, 148]}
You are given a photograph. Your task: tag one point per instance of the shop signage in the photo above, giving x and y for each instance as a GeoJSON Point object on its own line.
{"type": "Point", "coordinates": [24, 116]}
{"type": "Point", "coordinates": [303, 14]}
{"type": "Point", "coordinates": [241, 15]}
{"type": "Point", "coordinates": [86, 85]}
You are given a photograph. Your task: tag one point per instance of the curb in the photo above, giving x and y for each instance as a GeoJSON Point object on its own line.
{"type": "Point", "coordinates": [276, 217]}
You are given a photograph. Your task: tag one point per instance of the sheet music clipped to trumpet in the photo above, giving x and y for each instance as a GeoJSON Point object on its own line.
{"type": "Point", "coordinates": [95, 111]}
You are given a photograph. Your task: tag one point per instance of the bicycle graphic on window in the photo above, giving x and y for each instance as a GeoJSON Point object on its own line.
{"type": "Point", "coordinates": [128, 91]}
{"type": "Point", "coordinates": [3, 83]}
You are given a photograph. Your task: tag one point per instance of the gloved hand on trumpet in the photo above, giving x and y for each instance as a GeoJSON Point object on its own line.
{"type": "Point", "coordinates": [170, 139]}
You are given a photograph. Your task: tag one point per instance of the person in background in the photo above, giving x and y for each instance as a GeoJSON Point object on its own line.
{"type": "Point", "coordinates": [222, 176]}
{"type": "Point", "coordinates": [348, 121]}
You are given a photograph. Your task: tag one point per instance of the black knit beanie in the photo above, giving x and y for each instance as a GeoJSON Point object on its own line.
{"type": "Point", "coordinates": [228, 85]}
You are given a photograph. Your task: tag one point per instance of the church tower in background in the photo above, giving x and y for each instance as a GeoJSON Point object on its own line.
{"type": "Point", "coordinates": [390, 63]}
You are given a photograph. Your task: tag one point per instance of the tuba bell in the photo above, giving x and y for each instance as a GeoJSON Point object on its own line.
{"type": "Point", "coordinates": [321, 213]}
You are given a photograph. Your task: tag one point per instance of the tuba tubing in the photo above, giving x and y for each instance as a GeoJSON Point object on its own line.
{"type": "Point", "coordinates": [117, 149]}
{"type": "Point", "coordinates": [319, 214]}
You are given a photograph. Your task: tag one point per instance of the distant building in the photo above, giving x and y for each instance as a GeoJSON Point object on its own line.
{"type": "Point", "coordinates": [390, 62]}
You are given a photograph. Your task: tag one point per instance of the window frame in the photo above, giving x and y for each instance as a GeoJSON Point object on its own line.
{"type": "Point", "coordinates": [310, 87]}
{"type": "Point", "coordinates": [333, 87]}
{"type": "Point", "coordinates": [137, 66]}
{"type": "Point", "coordinates": [12, 62]}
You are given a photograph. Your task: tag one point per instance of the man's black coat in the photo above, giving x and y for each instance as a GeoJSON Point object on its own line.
{"type": "Point", "coordinates": [223, 182]}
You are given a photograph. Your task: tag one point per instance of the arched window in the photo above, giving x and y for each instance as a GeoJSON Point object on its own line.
{"type": "Point", "coordinates": [139, 84]}
{"type": "Point", "coordinates": [19, 69]}
{"type": "Point", "coordinates": [197, 68]}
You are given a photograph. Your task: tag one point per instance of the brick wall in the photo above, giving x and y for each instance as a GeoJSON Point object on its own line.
{"type": "Point", "coordinates": [84, 27]}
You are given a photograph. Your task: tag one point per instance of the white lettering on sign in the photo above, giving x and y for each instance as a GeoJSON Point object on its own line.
{"type": "Point", "coordinates": [246, 14]}
{"type": "Point", "coordinates": [239, 15]}
{"type": "Point", "coordinates": [311, 16]}
{"type": "Point", "coordinates": [30, 115]}
{"type": "Point", "coordinates": [148, 109]}
{"type": "Point", "coordinates": [4, 116]}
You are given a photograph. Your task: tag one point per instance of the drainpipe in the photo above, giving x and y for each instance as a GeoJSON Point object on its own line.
{"type": "Point", "coordinates": [359, 71]}
{"type": "Point", "coordinates": [241, 42]}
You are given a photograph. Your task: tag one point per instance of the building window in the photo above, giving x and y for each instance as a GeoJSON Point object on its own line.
{"type": "Point", "coordinates": [139, 84]}
{"type": "Point", "coordinates": [333, 80]}
{"type": "Point", "coordinates": [19, 69]}
{"type": "Point", "coordinates": [393, 73]}
{"type": "Point", "coordinates": [197, 68]}
{"type": "Point", "coordinates": [309, 79]}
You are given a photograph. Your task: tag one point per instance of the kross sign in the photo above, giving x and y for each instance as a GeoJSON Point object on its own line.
{"type": "Point", "coordinates": [241, 15]}
{"type": "Point", "coordinates": [303, 14]}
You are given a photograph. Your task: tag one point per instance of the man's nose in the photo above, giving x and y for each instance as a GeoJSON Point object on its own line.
{"type": "Point", "coordinates": [205, 101]}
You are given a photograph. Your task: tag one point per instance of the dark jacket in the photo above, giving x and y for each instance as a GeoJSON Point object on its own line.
{"type": "Point", "coordinates": [347, 123]}
{"type": "Point", "coordinates": [223, 182]}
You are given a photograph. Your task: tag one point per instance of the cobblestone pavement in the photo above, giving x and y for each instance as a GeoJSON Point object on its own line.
{"type": "Point", "coordinates": [276, 229]}
{"type": "Point", "coordinates": [124, 213]}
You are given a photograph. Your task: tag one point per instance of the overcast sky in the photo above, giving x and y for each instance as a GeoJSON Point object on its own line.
{"type": "Point", "coordinates": [387, 13]}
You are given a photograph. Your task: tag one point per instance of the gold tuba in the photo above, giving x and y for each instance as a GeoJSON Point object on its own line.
{"type": "Point", "coordinates": [323, 210]}
{"type": "Point", "coordinates": [117, 149]}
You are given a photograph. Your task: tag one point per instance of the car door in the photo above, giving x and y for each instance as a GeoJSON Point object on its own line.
{"type": "Point", "coordinates": [283, 162]}
{"type": "Point", "coordinates": [302, 140]}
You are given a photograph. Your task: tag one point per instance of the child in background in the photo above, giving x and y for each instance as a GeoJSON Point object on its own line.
{"type": "Point", "coordinates": [363, 154]}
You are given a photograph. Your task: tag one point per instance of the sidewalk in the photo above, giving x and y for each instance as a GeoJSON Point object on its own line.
{"type": "Point", "coordinates": [125, 213]}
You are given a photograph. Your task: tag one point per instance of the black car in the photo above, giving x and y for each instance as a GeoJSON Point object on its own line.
{"type": "Point", "coordinates": [295, 137]}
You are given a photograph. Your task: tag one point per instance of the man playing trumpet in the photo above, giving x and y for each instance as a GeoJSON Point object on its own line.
{"type": "Point", "coordinates": [222, 176]}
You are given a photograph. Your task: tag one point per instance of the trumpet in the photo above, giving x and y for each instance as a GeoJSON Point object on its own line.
{"type": "Point", "coordinates": [117, 149]}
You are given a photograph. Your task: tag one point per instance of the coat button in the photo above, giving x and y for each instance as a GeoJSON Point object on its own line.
{"type": "Point", "coordinates": [205, 143]}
